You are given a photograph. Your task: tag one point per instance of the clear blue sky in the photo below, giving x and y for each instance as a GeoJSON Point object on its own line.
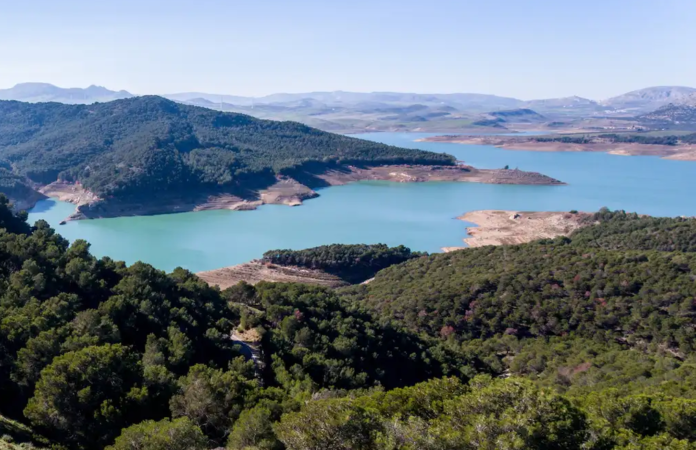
{"type": "Point", "coordinates": [521, 48]}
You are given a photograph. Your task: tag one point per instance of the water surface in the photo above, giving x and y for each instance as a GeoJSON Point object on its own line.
{"type": "Point", "coordinates": [418, 215]}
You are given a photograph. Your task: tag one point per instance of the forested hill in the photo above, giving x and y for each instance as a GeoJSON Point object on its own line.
{"type": "Point", "coordinates": [352, 262]}
{"type": "Point", "coordinates": [580, 343]}
{"type": "Point", "coordinates": [125, 146]}
{"type": "Point", "coordinates": [629, 278]}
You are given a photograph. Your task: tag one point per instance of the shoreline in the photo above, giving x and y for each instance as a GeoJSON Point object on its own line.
{"type": "Point", "coordinates": [285, 191]}
{"type": "Point", "coordinates": [256, 271]}
{"type": "Point", "coordinates": [492, 227]}
{"type": "Point", "coordinates": [501, 227]}
{"type": "Point", "coordinates": [683, 152]}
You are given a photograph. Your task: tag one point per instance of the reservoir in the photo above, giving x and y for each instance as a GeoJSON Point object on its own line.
{"type": "Point", "coordinates": [418, 215]}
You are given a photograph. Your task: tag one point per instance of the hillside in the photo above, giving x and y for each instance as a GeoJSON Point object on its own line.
{"type": "Point", "coordinates": [149, 155]}
{"type": "Point", "coordinates": [18, 188]}
{"type": "Point", "coordinates": [343, 98]}
{"type": "Point", "coordinates": [651, 98]}
{"type": "Point", "coordinates": [521, 115]}
{"type": "Point", "coordinates": [567, 343]}
{"type": "Point", "coordinates": [672, 114]}
{"type": "Point", "coordinates": [355, 112]}
{"type": "Point", "coordinates": [122, 146]}
{"type": "Point", "coordinates": [565, 106]}
{"type": "Point", "coordinates": [44, 92]}
{"type": "Point", "coordinates": [126, 148]}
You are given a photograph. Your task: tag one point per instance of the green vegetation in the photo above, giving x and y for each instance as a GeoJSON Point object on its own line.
{"type": "Point", "coordinates": [179, 434]}
{"type": "Point", "coordinates": [552, 287]}
{"type": "Point", "coordinates": [91, 347]}
{"type": "Point", "coordinates": [584, 342]}
{"type": "Point", "coordinates": [489, 414]}
{"type": "Point", "coordinates": [621, 231]}
{"type": "Point", "coordinates": [354, 263]}
{"type": "Point", "coordinates": [123, 147]}
{"type": "Point", "coordinates": [622, 139]}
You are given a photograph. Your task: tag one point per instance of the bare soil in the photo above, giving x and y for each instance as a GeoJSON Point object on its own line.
{"type": "Point", "coordinates": [69, 192]}
{"type": "Point", "coordinates": [518, 227]}
{"type": "Point", "coordinates": [256, 271]}
{"type": "Point", "coordinates": [285, 191]}
{"type": "Point", "coordinates": [417, 174]}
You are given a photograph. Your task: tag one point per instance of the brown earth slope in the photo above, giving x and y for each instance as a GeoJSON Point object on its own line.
{"type": "Point", "coordinates": [256, 271]}
{"type": "Point", "coordinates": [518, 227]}
{"type": "Point", "coordinates": [285, 191]}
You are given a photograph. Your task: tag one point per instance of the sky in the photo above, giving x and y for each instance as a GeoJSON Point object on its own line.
{"type": "Point", "coordinates": [520, 48]}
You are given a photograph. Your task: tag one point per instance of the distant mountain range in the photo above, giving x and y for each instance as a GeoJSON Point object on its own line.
{"type": "Point", "coordinates": [342, 111]}
{"type": "Point", "coordinates": [643, 99]}
{"type": "Point", "coordinates": [44, 92]}
{"type": "Point", "coordinates": [480, 102]}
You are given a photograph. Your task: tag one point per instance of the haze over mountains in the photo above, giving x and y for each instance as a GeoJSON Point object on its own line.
{"type": "Point", "coordinates": [342, 111]}
{"type": "Point", "coordinates": [45, 92]}
{"type": "Point", "coordinates": [651, 97]}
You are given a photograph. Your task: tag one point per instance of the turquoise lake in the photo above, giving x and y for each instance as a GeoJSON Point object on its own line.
{"type": "Point", "coordinates": [418, 215]}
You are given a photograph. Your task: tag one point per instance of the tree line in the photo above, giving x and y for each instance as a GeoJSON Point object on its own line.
{"type": "Point", "coordinates": [353, 262]}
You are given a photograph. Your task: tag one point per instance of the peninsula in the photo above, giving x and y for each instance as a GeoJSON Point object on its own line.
{"type": "Point", "coordinates": [667, 147]}
{"type": "Point", "coordinates": [328, 265]}
{"type": "Point", "coordinates": [148, 155]}
{"type": "Point", "coordinates": [495, 227]}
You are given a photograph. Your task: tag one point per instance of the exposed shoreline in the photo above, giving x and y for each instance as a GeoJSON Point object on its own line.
{"type": "Point", "coordinates": [285, 191]}
{"type": "Point", "coordinates": [497, 227]}
{"type": "Point", "coordinates": [676, 152]}
{"type": "Point", "coordinates": [256, 271]}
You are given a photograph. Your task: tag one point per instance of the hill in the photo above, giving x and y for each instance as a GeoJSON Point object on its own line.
{"type": "Point", "coordinates": [127, 148]}
{"type": "Point", "coordinates": [651, 98]}
{"type": "Point", "coordinates": [521, 115]}
{"type": "Point", "coordinates": [343, 98]}
{"type": "Point", "coordinates": [18, 188]}
{"type": "Point", "coordinates": [672, 114]}
{"type": "Point", "coordinates": [149, 155]}
{"type": "Point", "coordinates": [572, 343]}
{"type": "Point", "coordinates": [565, 106]}
{"type": "Point", "coordinates": [44, 92]}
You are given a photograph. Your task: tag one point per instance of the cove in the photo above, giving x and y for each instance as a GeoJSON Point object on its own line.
{"type": "Point", "coordinates": [418, 215]}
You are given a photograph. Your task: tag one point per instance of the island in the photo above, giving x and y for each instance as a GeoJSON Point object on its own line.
{"type": "Point", "coordinates": [148, 155]}
{"type": "Point", "coordinates": [668, 147]}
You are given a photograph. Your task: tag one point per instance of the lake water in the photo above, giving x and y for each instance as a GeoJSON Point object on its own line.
{"type": "Point", "coordinates": [418, 215]}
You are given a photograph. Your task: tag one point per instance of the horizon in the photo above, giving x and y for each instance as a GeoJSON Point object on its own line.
{"type": "Point", "coordinates": [138, 94]}
{"type": "Point", "coordinates": [542, 49]}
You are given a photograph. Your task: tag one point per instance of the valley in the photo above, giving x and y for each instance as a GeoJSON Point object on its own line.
{"type": "Point", "coordinates": [347, 225]}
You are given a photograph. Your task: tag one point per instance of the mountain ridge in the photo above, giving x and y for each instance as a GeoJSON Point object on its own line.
{"type": "Point", "coordinates": [650, 98]}
{"type": "Point", "coordinates": [46, 92]}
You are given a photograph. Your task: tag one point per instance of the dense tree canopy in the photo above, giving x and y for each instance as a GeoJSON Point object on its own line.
{"type": "Point", "coordinates": [125, 146]}
{"type": "Point", "coordinates": [553, 287]}
{"type": "Point", "coordinates": [355, 263]}
{"type": "Point", "coordinates": [584, 342]}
